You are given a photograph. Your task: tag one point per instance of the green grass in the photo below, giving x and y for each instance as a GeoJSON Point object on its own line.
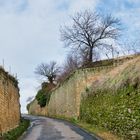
{"type": "Point", "coordinates": [113, 101]}
{"type": "Point", "coordinates": [98, 131]}
{"type": "Point", "coordinates": [17, 132]}
{"type": "Point", "coordinates": [117, 112]}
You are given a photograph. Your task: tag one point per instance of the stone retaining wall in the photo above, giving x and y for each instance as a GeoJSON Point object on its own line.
{"type": "Point", "coordinates": [9, 102]}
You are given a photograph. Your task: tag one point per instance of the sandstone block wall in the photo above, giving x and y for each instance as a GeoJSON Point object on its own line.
{"type": "Point", "coordinates": [9, 102]}
{"type": "Point", "coordinates": [35, 109]}
{"type": "Point", "coordinates": [66, 98]}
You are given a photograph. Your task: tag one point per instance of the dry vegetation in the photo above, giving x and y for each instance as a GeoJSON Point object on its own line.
{"type": "Point", "coordinates": [112, 102]}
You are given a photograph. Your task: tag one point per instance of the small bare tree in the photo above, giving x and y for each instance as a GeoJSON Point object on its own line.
{"type": "Point", "coordinates": [134, 44]}
{"type": "Point", "coordinates": [131, 47]}
{"type": "Point", "coordinates": [90, 30]}
{"type": "Point", "coordinates": [49, 71]}
{"type": "Point", "coordinates": [71, 64]}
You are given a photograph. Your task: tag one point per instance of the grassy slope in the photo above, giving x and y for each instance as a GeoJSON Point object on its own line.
{"type": "Point", "coordinates": [113, 101]}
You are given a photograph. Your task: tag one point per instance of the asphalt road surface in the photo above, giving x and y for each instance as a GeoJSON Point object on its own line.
{"type": "Point", "coordinates": [43, 128]}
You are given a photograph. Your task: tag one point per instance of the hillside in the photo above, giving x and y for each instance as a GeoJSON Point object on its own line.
{"type": "Point", "coordinates": [104, 96]}
{"type": "Point", "coordinates": [113, 100]}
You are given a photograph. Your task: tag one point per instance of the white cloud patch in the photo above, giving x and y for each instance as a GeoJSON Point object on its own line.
{"type": "Point", "coordinates": [29, 35]}
{"type": "Point", "coordinates": [131, 19]}
{"type": "Point", "coordinates": [126, 10]}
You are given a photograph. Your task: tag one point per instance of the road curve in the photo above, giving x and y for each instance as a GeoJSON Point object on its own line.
{"type": "Point", "coordinates": [43, 128]}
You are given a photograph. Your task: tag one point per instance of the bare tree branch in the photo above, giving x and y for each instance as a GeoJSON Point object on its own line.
{"type": "Point", "coordinates": [71, 64]}
{"type": "Point", "coordinates": [49, 71]}
{"type": "Point", "coordinates": [89, 30]}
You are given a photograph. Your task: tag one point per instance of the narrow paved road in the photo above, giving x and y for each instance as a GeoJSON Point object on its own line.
{"type": "Point", "coordinates": [43, 128]}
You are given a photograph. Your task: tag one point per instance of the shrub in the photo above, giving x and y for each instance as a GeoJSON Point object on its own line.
{"type": "Point", "coordinates": [43, 97]}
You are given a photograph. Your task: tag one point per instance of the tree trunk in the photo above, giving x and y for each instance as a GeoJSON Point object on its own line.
{"type": "Point", "coordinates": [90, 55]}
{"type": "Point", "coordinates": [50, 79]}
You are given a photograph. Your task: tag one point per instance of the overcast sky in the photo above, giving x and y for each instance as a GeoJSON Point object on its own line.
{"type": "Point", "coordinates": [29, 33]}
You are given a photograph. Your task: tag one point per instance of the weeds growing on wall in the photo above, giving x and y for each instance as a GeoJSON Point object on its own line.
{"type": "Point", "coordinates": [113, 101]}
{"type": "Point", "coordinates": [43, 98]}
{"type": "Point", "coordinates": [117, 111]}
{"type": "Point", "coordinates": [17, 132]}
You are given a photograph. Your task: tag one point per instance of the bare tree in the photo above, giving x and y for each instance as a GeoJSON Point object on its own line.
{"type": "Point", "coordinates": [71, 64]}
{"type": "Point", "coordinates": [110, 51]}
{"type": "Point", "coordinates": [84, 56]}
{"type": "Point", "coordinates": [49, 71]}
{"type": "Point", "coordinates": [130, 46]}
{"type": "Point", "coordinates": [90, 30]}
